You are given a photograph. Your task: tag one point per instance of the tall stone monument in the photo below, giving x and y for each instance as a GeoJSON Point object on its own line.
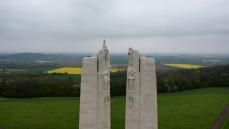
{"type": "Point", "coordinates": [95, 91]}
{"type": "Point", "coordinates": [141, 92]}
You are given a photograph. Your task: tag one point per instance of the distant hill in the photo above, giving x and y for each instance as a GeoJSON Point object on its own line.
{"type": "Point", "coordinates": [40, 56]}
{"type": "Point", "coordinates": [22, 56]}
{"type": "Point", "coordinates": [205, 60]}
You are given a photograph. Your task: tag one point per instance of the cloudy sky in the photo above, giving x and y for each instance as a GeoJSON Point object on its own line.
{"type": "Point", "coordinates": [72, 26]}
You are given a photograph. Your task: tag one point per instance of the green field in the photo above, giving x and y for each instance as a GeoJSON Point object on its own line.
{"type": "Point", "coordinates": [195, 109]}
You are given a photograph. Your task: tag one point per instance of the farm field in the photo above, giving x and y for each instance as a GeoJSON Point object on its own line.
{"type": "Point", "coordinates": [27, 70]}
{"type": "Point", "coordinates": [195, 109]}
{"type": "Point", "coordinates": [13, 70]}
{"type": "Point", "coordinates": [185, 66]}
{"type": "Point", "coordinates": [75, 70]}
{"type": "Point", "coordinates": [68, 70]}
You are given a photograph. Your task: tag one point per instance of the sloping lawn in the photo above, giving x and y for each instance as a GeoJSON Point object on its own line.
{"type": "Point", "coordinates": [195, 109]}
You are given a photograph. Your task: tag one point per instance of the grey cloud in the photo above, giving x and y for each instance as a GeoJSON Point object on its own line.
{"type": "Point", "coordinates": [77, 22]}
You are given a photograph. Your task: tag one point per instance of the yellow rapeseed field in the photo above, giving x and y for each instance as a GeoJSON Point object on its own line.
{"type": "Point", "coordinates": [113, 70]}
{"type": "Point", "coordinates": [67, 70]}
{"type": "Point", "coordinates": [76, 70]}
{"type": "Point", "coordinates": [185, 66]}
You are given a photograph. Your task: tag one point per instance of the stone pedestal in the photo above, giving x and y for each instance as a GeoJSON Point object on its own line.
{"type": "Point", "coordinates": [141, 92]}
{"type": "Point", "coordinates": [95, 91]}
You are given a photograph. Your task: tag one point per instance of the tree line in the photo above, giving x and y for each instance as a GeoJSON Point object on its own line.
{"type": "Point", "coordinates": [40, 85]}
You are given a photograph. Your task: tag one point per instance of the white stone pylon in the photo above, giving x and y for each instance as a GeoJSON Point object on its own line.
{"type": "Point", "coordinates": [133, 91]}
{"type": "Point", "coordinates": [104, 88]}
{"type": "Point", "coordinates": [95, 91]}
{"type": "Point", "coordinates": [141, 92]}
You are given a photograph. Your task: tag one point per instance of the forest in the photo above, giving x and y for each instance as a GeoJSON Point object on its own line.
{"type": "Point", "coordinates": [41, 84]}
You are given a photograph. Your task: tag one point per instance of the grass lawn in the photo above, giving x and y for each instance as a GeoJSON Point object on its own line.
{"type": "Point", "coordinates": [195, 109]}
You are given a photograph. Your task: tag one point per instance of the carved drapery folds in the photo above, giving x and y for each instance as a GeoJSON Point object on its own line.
{"type": "Point", "coordinates": [131, 79]}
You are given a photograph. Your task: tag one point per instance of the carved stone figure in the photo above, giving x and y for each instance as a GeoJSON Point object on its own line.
{"type": "Point", "coordinates": [130, 54]}
{"type": "Point", "coordinates": [131, 78]}
{"type": "Point", "coordinates": [106, 78]}
{"type": "Point", "coordinates": [130, 100]}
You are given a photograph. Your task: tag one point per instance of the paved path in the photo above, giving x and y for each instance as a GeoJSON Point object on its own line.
{"type": "Point", "coordinates": [221, 119]}
{"type": "Point", "coordinates": [1, 127]}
